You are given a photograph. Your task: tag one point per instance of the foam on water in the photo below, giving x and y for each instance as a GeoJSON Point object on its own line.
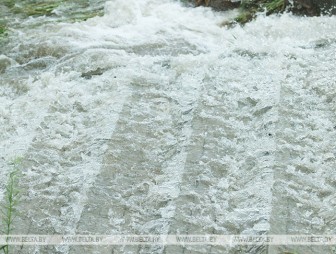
{"type": "Point", "coordinates": [216, 118]}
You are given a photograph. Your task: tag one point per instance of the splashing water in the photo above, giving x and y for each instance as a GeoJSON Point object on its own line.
{"type": "Point", "coordinates": [154, 119]}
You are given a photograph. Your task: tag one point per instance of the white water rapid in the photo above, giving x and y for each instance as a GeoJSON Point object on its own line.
{"type": "Point", "coordinates": [155, 119]}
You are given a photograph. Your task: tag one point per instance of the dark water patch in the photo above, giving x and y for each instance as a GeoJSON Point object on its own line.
{"type": "Point", "coordinates": [31, 52]}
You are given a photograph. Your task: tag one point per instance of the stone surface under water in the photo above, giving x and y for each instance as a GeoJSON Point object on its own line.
{"type": "Point", "coordinates": [152, 119]}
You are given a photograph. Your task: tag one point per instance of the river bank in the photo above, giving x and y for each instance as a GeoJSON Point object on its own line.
{"type": "Point", "coordinates": [249, 8]}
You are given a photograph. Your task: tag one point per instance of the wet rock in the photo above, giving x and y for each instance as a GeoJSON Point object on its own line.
{"type": "Point", "coordinates": [313, 7]}
{"type": "Point", "coordinates": [219, 4]}
{"type": "Point", "coordinates": [89, 74]}
{"type": "Point", "coordinates": [306, 7]}
{"type": "Point", "coordinates": [250, 7]}
{"type": "Point", "coordinates": [327, 6]}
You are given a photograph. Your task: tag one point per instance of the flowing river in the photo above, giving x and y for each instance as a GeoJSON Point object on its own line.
{"type": "Point", "coordinates": [155, 119]}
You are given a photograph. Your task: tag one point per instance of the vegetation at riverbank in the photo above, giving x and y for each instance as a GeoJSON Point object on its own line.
{"type": "Point", "coordinates": [2, 30]}
{"type": "Point", "coordinates": [249, 8]}
{"type": "Point", "coordinates": [8, 207]}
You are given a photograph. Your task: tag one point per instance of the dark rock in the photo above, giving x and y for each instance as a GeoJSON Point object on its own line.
{"type": "Point", "coordinates": [314, 7]}
{"type": "Point", "coordinates": [249, 8]}
{"type": "Point", "coordinates": [327, 6]}
{"type": "Point", "coordinates": [220, 5]}
{"type": "Point", "coordinates": [89, 74]}
{"type": "Point", "coordinates": [306, 7]}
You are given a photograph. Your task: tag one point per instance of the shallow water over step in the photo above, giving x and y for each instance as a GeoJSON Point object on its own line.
{"type": "Point", "coordinates": [153, 119]}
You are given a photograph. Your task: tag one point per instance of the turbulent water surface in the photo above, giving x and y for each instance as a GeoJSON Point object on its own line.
{"type": "Point", "coordinates": [154, 119]}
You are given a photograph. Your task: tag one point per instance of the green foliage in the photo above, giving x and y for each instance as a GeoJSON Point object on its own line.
{"type": "Point", "coordinates": [2, 30]}
{"type": "Point", "coordinates": [8, 208]}
{"type": "Point", "coordinates": [244, 17]}
{"type": "Point", "coordinates": [249, 8]}
{"type": "Point", "coordinates": [274, 6]}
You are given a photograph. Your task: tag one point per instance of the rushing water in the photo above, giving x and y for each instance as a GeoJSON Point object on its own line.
{"type": "Point", "coordinates": [154, 119]}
